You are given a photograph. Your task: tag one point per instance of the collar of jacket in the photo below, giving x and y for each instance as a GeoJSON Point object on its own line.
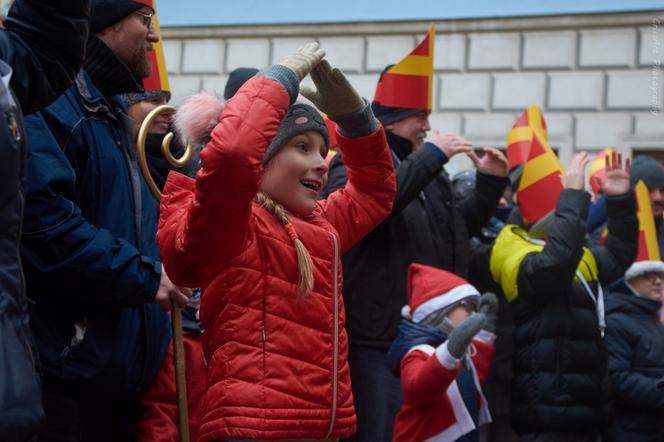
{"type": "Point", "coordinates": [624, 299]}
{"type": "Point", "coordinates": [108, 73]}
{"type": "Point", "coordinates": [412, 334]}
{"type": "Point", "coordinates": [399, 145]}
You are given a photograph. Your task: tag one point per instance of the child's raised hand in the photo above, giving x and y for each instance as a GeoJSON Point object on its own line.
{"type": "Point", "coordinates": [460, 337]}
{"type": "Point", "coordinates": [489, 306]}
{"type": "Point", "coordinates": [616, 180]}
{"type": "Point", "coordinates": [334, 95]}
{"type": "Point", "coordinates": [304, 59]}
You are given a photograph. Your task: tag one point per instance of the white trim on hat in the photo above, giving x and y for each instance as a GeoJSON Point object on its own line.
{"type": "Point", "coordinates": [641, 267]}
{"type": "Point", "coordinates": [445, 299]}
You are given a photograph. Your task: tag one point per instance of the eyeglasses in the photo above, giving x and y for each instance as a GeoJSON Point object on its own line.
{"type": "Point", "coordinates": [653, 277]}
{"type": "Point", "coordinates": [147, 18]}
{"type": "Point", "coordinates": [467, 305]}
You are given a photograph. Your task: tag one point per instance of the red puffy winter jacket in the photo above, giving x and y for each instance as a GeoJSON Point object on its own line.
{"type": "Point", "coordinates": [277, 366]}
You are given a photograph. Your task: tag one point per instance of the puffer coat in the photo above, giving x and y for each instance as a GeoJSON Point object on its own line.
{"type": "Point", "coordinates": [277, 365]}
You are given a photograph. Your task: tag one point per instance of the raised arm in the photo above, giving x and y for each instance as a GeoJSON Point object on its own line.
{"type": "Point", "coordinates": [209, 219]}
{"type": "Point", "coordinates": [367, 197]}
{"type": "Point", "coordinates": [44, 43]}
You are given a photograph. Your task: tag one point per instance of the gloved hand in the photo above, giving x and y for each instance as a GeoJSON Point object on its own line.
{"type": "Point", "coordinates": [304, 59]}
{"type": "Point", "coordinates": [489, 307]}
{"type": "Point", "coordinates": [335, 95]}
{"type": "Point", "coordinates": [460, 338]}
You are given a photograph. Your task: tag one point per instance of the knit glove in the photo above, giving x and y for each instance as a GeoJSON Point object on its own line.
{"type": "Point", "coordinates": [304, 59]}
{"type": "Point", "coordinates": [335, 95]}
{"type": "Point", "coordinates": [489, 307]}
{"type": "Point", "coordinates": [460, 338]}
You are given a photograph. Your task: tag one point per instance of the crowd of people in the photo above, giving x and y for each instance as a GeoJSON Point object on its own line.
{"type": "Point", "coordinates": [335, 283]}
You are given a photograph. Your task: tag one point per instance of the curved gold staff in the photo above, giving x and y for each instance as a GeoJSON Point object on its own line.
{"type": "Point", "coordinates": [176, 314]}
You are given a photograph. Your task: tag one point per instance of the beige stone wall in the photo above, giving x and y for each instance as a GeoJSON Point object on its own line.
{"type": "Point", "coordinates": [598, 78]}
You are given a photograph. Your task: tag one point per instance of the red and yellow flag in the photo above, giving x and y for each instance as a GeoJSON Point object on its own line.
{"type": "Point", "coordinates": [158, 79]}
{"type": "Point", "coordinates": [648, 245]}
{"type": "Point", "coordinates": [530, 124]}
{"type": "Point", "coordinates": [332, 131]}
{"type": "Point", "coordinates": [541, 182]}
{"type": "Point", "coordinates": [598, 170]}
{"type": "Point", "coordinates": [409, 83]}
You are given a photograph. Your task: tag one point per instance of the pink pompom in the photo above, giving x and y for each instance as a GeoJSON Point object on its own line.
{"type": "Point", "coordinates": [197, 116]}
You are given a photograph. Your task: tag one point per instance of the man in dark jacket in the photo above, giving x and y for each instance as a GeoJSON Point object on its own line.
{"type": "Point", "coordinates": [635, 338]}
{"type": "Point", "coordinates": [430, 225]}
{"type": "Point", "coordinates": [90, 255]}
{"type": "Point", "coordinates": [35, 68]}
{"type": "Point", "coordinates": [560, 387]}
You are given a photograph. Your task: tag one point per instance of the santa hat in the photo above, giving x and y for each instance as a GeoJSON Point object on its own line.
{"type": "Point", "coordinates": [642, 267]}
{"type": "Point", "coordinates": [431, 289]}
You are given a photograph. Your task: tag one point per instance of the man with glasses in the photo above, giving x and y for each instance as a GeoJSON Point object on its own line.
{"type": "Point", "coordinates": [90, 255]}
{"type": "Point", "coordinates": [635, 341]}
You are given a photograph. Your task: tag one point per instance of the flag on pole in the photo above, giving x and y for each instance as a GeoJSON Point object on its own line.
{"type": "Point", "coordinates": [648, 246]}
{"type": "Point", "coordinates": [598, 170]}
{"type": "Point", "coordinates": [409, 83]}
{"type": "Point", "coordinates": [158, 79]}
{"type": "Point", "coordinates": [541, 182]}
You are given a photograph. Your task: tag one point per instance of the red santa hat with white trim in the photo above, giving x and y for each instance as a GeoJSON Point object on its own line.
{"type": "Point", "coordinates": [431, 289]}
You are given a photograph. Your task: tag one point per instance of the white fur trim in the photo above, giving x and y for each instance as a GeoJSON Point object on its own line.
{"type": "Point", "coordinates": [424, 348]}
{"type": "Point", "coordinates": [485, 336]}
{"type": "Point", "coordinates": [445, 358]}
{"type": "Point", "coordinates": [445, 299]}
{"type": "Point", "coordinates": [405, 311]}
{"type": "Point", "coordinates": [641, 267]}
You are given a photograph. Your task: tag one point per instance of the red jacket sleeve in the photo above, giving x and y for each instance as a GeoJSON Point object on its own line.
{"type": "Point", "coordinates": [209, 219]}
{"type": "Point", "coordinates": [423, 378]}
{"type": "Point", "coordinates": [369, 193]}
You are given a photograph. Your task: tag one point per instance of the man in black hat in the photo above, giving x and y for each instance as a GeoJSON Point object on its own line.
{"type": "Point", "coordinates": [429, 224]}
{"type": "Point", "coordinates": [90, 256]}
{"type": "Point", "coordinates": [35, 67]}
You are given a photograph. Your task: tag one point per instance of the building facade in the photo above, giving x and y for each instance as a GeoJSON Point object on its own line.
{"type": "Point", "coordinates": [597, 77]}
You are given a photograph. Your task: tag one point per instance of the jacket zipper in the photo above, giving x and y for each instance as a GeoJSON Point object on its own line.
{"type": "Point", "coordinates": [336, 334]}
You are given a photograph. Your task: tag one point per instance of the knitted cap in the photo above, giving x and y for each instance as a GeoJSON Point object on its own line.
{"type": "Point", "coordinates": [236, 79]}
{"type": "Point", "coordinates": [104, 13]}
{"type": "Point", "coordinates": [134, 98]}
{"type": "Point", "coordinates": [300, 118]}
{"type": "Point", "coordinates": [431, 289]}
{"type": "Point", "coordinates": [643, 267]}
{"type": "Point", "coordinates": [647, 169]}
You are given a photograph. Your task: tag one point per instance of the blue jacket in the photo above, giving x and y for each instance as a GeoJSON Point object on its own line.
{"type": "Point", "coordinates": [89, 248]}
{"type": "Point", "coordinates": [38, 68]}
{"type": "Point", "coordinates": [635, 340]}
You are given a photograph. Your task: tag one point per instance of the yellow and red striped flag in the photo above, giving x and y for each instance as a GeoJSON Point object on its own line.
{"type": "Point", "coordinates": [541, 181]}
{"type": "Point", "coordinates": [158, 79]}
{"type": "Point", "coordinates": [648, 245]}
{"type": "Point", "coordinates": [598, 170]}
{"type": "Point", "coordinates": [409, 83]}
{"type": "Point", "coordinates": [519, 139]}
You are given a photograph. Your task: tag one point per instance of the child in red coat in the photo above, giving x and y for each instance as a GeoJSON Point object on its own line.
{"type": "Point", "coordinates": [250, 232]}
{"type": "Point", "coordinates": [445, 351]}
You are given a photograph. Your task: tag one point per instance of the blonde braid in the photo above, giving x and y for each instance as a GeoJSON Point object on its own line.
{"type": "Point", "coordinates": [304, 264]}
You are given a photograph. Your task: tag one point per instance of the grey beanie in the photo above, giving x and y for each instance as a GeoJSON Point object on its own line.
{"type": "Point", "coordinates": [300, 118]}
{"type": "Point", "coordinates": [135, 97]}
{"type": "Point", "coordinates": [647, 169]}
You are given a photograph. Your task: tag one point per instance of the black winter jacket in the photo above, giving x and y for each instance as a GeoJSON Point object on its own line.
{"type": "Point", "coordinates": [635, 338]}
{"type": "Point", "coordinates": [429, 224]}
{"type": "Point", "coordinates": [43, 67]}
{"type": "Point", "coordinates": [560, 362]}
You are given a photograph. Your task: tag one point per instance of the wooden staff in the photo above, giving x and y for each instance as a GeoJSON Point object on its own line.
{"type": "Point", "coordinates": [176, 312]}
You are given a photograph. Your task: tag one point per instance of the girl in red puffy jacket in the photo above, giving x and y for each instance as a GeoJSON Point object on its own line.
{"type": "Point", "coordinates": [250, 232]}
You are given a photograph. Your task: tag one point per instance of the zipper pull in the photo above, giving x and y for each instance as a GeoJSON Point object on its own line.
{"type": "Point", "coordinates": [263, 333]}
